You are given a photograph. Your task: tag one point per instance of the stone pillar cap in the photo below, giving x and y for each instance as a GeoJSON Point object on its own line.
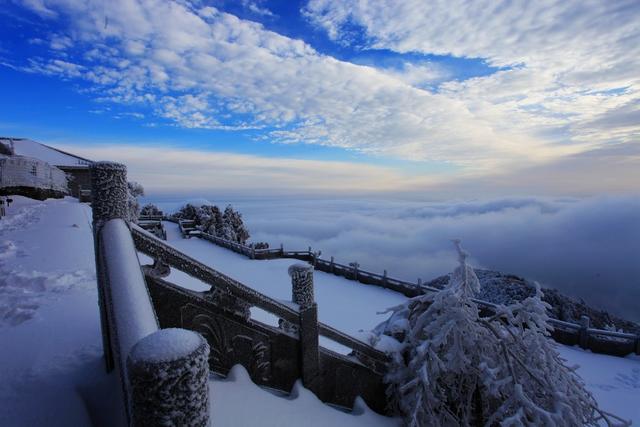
{"type": "Point", "coordinates": [166, 345]}
{"type": "Point", "coordinates": [299, 268]}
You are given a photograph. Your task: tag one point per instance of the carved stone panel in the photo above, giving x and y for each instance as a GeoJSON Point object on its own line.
{"type": "Point", "coordinates": [231, 342]}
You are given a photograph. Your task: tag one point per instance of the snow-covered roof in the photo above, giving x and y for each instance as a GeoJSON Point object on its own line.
{"type": "Point", "coordinates": [53, 156]}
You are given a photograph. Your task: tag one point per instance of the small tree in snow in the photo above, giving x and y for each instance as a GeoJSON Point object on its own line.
{"type": "Point", "coordinates": [150, 209]}
{"type": "Point", "coordinates": [453, 366]}
{"type": "Point", "coordinates": [233, 228]}
{"type": "Point", "coordinates": [135, 190]}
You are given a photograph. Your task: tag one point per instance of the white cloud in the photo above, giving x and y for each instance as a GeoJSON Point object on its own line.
{"type": "Point", "coordinates": [165, 54]}
{"type": "Point", "coordinates": [574, 78]}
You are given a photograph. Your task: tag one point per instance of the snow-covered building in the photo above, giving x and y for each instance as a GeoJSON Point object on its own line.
{"type": "Point", "coordinates": [30, 176]}
{"type": "Point", "coordinates": [76, 167]}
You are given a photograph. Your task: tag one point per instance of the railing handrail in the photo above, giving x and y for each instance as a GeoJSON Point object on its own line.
{"type": "Point", "coordinates": [174, 258]}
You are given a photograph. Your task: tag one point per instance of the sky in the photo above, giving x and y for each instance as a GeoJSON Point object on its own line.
{"type": "Point", "coordinates": [440, 99]}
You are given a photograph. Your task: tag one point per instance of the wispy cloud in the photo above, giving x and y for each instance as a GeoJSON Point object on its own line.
{"type": "Point", "coordinates": [571, 67]}
{"type": "Point", "coordinates": [202, 68]}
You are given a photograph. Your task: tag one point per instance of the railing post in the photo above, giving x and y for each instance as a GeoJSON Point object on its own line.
{"type": "Point", "coordinates": [419, 282]}
{"type": "Point", "coordinates": [583, 333]}
{"type": "Point", "coordinates": [384, 278]}
{"type": "Point", "coordinates": [281, 249]}
{"type": "Point", "coordinates": [302, 294]}
{"type": "Point", "coordinates": [169, 383]}
{"type": "Point", "coordinates": [332, 265]}
{"type": "Point", "coordinates": [110, 195]}
{"type": "Point", "coordinates": [637, 345]}
{"type": "Point", "coordinates": [355, 266]}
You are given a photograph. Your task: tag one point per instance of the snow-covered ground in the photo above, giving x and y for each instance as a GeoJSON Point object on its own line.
{"type": "Point", "coordinates": [351, 307]}
{"type": "Point", "coordinates": [51, 366]}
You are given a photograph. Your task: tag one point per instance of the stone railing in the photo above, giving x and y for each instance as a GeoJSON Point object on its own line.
{"type": "Point", "coordinates": [596, 340]}
{"type": "Point", "coordinates": [161, 384]}
{"type": "Point", "coordinates": [273, 355]}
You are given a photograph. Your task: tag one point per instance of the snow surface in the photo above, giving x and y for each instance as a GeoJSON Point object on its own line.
{"type": "Point", "coordinates": [614, 381]}
{"type": "Point", "coordinates": [51, 367]}
{"type": "Point", "coordinates": [166, 345]}
{"type": "Point", "coordinates": [352, 307]}
{"type": "Point", "coordinates": [29, 148]}
{"type": "Point", "coordinates": [51, 353]}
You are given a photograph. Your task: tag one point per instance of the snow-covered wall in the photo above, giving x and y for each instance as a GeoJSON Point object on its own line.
{"type": "Point", "coordinates": [19, 171]}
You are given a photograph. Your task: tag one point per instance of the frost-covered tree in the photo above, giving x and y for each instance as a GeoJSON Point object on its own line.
{"type": "Point", "coordinates": [209, 219]}
{"type": "Point", "coordinates": [455, 365]}
{"type": "Point", "coordinates": [150, 209]}
{"type": "Point", "coordinates": [188, 211]}
{"type": "Point", "coordinates": [135, 190]}
{"type": "Point", "coordinates": [233, 228]}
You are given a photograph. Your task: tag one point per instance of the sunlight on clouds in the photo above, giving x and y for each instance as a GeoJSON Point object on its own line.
{"type": "Point", "coordinates": [162, 169]}
{"type": "Point", "coordinates": [569, 63]}
{"type": "Point", "coordinates": [201, 68]}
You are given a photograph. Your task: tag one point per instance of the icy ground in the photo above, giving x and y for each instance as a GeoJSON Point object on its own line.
{"type": "Point", "coordinates": [51, 368]}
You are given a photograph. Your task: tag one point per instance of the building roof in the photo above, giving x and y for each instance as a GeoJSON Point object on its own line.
{"type": "Point", "coordinates": [51, 155]}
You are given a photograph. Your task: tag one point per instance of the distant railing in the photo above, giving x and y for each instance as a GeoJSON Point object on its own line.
{"type": "Point", "coordinates": [596, 340]}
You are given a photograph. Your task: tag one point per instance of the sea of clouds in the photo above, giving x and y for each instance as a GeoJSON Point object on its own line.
{"type": "Point", "coordinates": [587, 248]}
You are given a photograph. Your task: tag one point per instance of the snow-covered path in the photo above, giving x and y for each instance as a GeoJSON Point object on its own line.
{"type": "Point", "coordinates": [51, 352]}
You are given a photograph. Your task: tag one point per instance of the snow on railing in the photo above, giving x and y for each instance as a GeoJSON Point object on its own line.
{"type": "Point", "coordinates": [163, 373]}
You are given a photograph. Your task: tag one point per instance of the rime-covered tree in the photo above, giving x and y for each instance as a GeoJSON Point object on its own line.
{"type": "Point", "coordinates": [209, 219]}
{"type": "Point", "coordinates": [150, 209]}
{"type": "Point", "coordinates": [135, 190]}
{"type": "Point", "coordinates": [233, 226]}
{"type": "Point", "coordinates": [453, 366]}
{"type": "Point", "coordinates": [188, 211]}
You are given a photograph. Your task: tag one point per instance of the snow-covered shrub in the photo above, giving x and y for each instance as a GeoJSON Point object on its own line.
{"type": "Point", "coordinates": [234, 226]}
{"type": "Point", "coordinates": [135, 190]}
{"type": "Point", "coordinates": [208, 218]}
{"type": "Point", "coordinates": [150, 209]}
{"type": "Point", "coordinates": [455, 365]}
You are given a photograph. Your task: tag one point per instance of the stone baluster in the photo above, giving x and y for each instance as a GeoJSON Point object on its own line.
{"type": "Point", "coordinates": [110, 197]}
{"type": "Point", "coordinates": [302, 294]}
{"type": "Point", "coordinates": [168, 374]}
{"type": "Point", "coordinates": [583, 333]}
{"type": "Point", "coordinates": [355, 267]}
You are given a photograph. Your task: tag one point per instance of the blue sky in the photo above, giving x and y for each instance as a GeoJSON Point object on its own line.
{"type": "Point", "coordinates": [456, 98]}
